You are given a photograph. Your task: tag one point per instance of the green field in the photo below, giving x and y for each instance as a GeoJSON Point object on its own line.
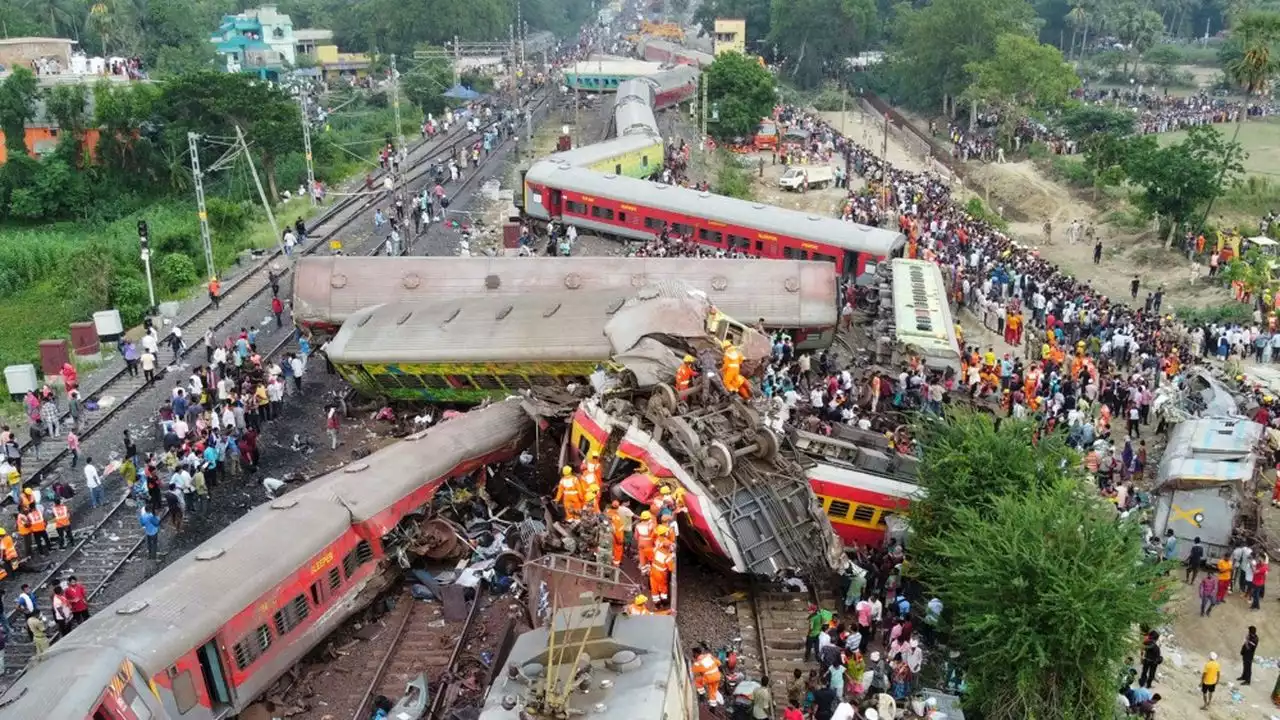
{"type": "Point", "coordinates": [1259, 138]}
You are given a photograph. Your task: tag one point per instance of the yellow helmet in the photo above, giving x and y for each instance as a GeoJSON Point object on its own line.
{"type": "Point", "coordinates": [646, 515]}
{"type": "Point", "coordinates": [726, 343]}
{"type": "Point", "coordinates": [661, 530]}
{"type": "Point", "coordinates": [592, 492]}
{"type": "Point", "coordinates": [566, 471]}
{"type": "Point", "coordinates": [688, 358]}
{"type": "Point", "coordinates": [640, 600]}
{"type": "Point", "coordinates": [665, 490]}
{"type": "Point", "coordinates": [594, 454]}
{"type": "Point", "coordinates": [2, 532]}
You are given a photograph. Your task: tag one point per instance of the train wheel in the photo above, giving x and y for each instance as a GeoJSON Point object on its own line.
{"type": "Point", "coordinates": [766, 444]}
{"type": "Point", "coordinates": [683, 436]}
{"type": "Point", "coordinates": [718, 459]}
{"type": "Point", "coordinates": [662, 402]}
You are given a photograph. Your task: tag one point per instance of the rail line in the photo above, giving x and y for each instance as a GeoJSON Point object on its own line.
{"type": "Point", "coordinates": [414, 650]}
{"type": "Point", "coordinates": [781, 624]}
{"type": "Point", "coordinates": [100, 552]}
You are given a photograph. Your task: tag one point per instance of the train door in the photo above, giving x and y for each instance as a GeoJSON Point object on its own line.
{"type": "Point", "coordinates": [215, 676]}
{"type": "Point", "coordinates": [849, 266]}
{"type": "Point", "coordinates": [554, 209]}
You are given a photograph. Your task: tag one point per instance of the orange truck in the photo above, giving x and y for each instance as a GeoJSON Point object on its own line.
{"type": "Point", "coordinates": [766, 137]}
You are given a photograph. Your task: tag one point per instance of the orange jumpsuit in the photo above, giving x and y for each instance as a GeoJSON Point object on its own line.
{"type": "Point", "coordinates": [569, 495]}
{"type": "Point", "coordinates": [684, 376]}
{"type": "Point", "coordinates": [706, 678]}
{"type": "Point", "coordinates": [590, 478]}
{"type": "Point", "coordinates": [619, 534]}
{"type": "Point", "coordinates": [731, 370]}
{"type": "Point", "coordinates": [644, 543]}
{"type": "Point", "coordinates": [660, 574]}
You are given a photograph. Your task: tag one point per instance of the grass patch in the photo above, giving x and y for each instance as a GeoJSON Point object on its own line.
{"type": "Point", "coordinates": [1226, 313]}
{"type": "Point", "coordinates": [1249, 200]}
{"type": "Point", "coordinates": [731, 179]}
{"type": "Point", "coordinates": [976, 209]}
{"type": "Point", "coordinates": [1259, 138]}
{"type": "Point", "coordinates": [1197, 53]}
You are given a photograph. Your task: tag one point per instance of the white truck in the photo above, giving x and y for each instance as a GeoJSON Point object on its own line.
{"type": "Point", "coordinates": [817, 175]}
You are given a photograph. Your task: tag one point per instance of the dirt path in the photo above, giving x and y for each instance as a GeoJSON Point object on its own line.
{"type": "Point", "coordinates": [1022, 191]}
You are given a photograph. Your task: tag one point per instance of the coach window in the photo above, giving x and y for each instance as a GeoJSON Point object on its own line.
{"type": "Point", "coordinates": [487, 382]}
{"type": "Point", "coordinates": [603, 213]}
{"type": "Point", "coordinates": [824, 258]}
{"type": "Point", "coordinates": [184, 690]}
{"type": "Point", "coordinates": [576, 208]}
{"type": "Point", "coordinates": [737, 242]}
{"type": "Point", "coordinates": [710, 236]}
{"type": "Point", "coordinates": [545, 381]}
{"type": "Point", "coordinates": [387, 382]}
{"type": "Point", "coordinates": [644, 161]}
{"type": "Point", "coordinates": [653, 223]}
{"type": "Point", "coordinates": [622, 217]}
{"type": "Point", "coordinates": [838, 509]}
{"type": "Point", "coordinates": [684, 231]}
{"type": "Point", "coordinates": [864, 513]}
{"type": "Point", "coordinates": [791, 253]}
{"type": "Point", "coordinates": [136, 703]}
{"type": "Point", "coordinates": [884, 517]}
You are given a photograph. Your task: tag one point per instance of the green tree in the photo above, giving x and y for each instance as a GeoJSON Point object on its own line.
{"type": "Point", "coordinates": [741, 92]}
{"type": "Point", "coordinates": [814, 36]}
{"type": "Point", "coordinates": [1181, 178]}
{"type": "Point", "coordinates": [18, 95]}
{"type": "Point", "coordinates": [1003, 508]}
{"type": "Point", "coordinates": [934, 43]}
{"type": "Point", "coordinates": [1083, 121]}
{"type": "Point", "coordinates": [1137, 27]}
{"type": "Point", "coordinates": [1163, 61]}
{"type": "Point", "coordinates": [1023, 74]}
{"type": "Point", "coordinates": [67, 105]}
{"type": "Point", "coordinates": [121, 112]}
{"type": "Point", "coordinates": [215, 103]}
{"type": "Point", "coordinates": [425, 84]}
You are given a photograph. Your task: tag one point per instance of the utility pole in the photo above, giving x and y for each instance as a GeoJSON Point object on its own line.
{"type": "Point", "coordinates": [271, 217]}
{"type": "Point", "coordinates": [193, 149]}
{"type": "Point", "coordinates": [511, 64]}
{"type": "Point", "coordinates": [395, 102]}
{"type": "Point", "coordinates": [457, 61]}
{"type": "Point", "coordinates": [306, 146]}
{"type": "Point", "coordinates": [702, 124]}
{"type": "Point", "coordinates": [844, 94]}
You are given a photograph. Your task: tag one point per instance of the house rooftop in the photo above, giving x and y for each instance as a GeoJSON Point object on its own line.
{"type": "Point", "coordinates": [24, 40]}
{"type": "Point", "coordinates": [314, 34]}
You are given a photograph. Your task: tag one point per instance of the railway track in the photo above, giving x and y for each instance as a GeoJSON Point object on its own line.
{"type": "Point", "coordinates": [101, 550]}
{"type": "Point", "coordinates": [780, 623]}
{"type": "Point", "coordinates": [416, 647]}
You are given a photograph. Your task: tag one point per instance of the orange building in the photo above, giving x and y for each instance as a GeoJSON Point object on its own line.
{"type": "Point", "coordinates": [43, 138]}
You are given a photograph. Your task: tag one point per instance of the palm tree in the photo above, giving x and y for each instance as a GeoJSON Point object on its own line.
{"type": "Point", "coordinates": [1078, 19]}
{"type": "Point", "coordinates": [1253, 70]}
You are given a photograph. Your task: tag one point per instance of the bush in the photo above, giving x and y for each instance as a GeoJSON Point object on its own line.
{"type": "Point", "coordinates": [1228, 313]}
{"type": "Point", "coordinates": [1071, 171]}
{"type": "Point", "coordinates": [732, 180]}
{"type": "Point", "coordinates": [176, 272]}
{"type": "Point", "coordinates": [977, 210]}
{"type": "Point", "coordinates": [132, 300]}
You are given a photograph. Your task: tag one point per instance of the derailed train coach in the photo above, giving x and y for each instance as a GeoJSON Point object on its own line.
{"type": "Point", "coordinates": [209, 633]}
{"type": "Point", "coordinates": [797, 296]}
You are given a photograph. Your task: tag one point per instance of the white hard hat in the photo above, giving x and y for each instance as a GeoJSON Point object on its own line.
{"type": "Point", "coordinates": [871, 714]}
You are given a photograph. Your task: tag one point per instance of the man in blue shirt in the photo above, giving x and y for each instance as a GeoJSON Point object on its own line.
{"type": "Point", "coordinates": [151, 526]}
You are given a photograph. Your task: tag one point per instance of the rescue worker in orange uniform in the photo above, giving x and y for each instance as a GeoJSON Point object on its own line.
{"type": "Point", "coordinates": [644, 540]}
{"type": "Point", "coordinates": [569, 494]}
{"type": "Point", "coordinates": [731, 370]}
{"type": "Point", "coordinates": [62, 521]}
{"type": "Point", "coordinates": [685, 374]}
{"type": "Point", "coordinates": [664, 537]}
{"type": "Point", "coordinates": [9, 553]}
{"type": "Point", "coordinates": [24, 532]}
{"type": "Point", "coordinates": [706, 676]}
{"type": "Point", "coordinates": [591, 473]}
{"type": "Point", "coordinates": [35, 522]}
{"type": "Point", "coordinates": [638, 606]}
{"type": "Point", "coordinates": [619, 532]}
{"type": "Point", "coordinates": [660, 573]}
{"type": "Point", "coordinates": [591, 503]}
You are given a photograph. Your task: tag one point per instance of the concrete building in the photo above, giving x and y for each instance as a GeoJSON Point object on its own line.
{"type": "Point", "coordinates": [259, 40]}
{"type": "Point", "coordinates": [42, 132]}
{"type": "Point", "coordinates": [315, 47]}
{"type": "Point", "coordinates": [730, 35]}
{"type": "Point", "coordinates": [26, 51]}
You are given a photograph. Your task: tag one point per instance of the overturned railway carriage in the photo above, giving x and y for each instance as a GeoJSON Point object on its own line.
{"type": "Point", "coordinates": [214, 629]}
{"type": "Point", "coordinates": [795, 295]}
{"type": "Point", "coordinates": [623, 207]}
{"type": "Point", "coordinates": [665, 51]}
{"type": "Point", "coordinates": [605, 75]}
{"type": "Point", "coordinates": [464, 350]}
{"type": "Point", "coordinates": [749, 507]}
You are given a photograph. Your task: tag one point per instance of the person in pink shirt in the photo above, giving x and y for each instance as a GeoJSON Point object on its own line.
{"type": "Point", "coordinates": [73, 447]}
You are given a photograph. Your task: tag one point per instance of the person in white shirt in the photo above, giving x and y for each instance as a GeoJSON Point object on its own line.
{"type": "Point", "coordinates": [93, 481]}
{"type": "Point", "coordinates": [298, 368]}
{"type": "Point", "coordinates": [844, 711]}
